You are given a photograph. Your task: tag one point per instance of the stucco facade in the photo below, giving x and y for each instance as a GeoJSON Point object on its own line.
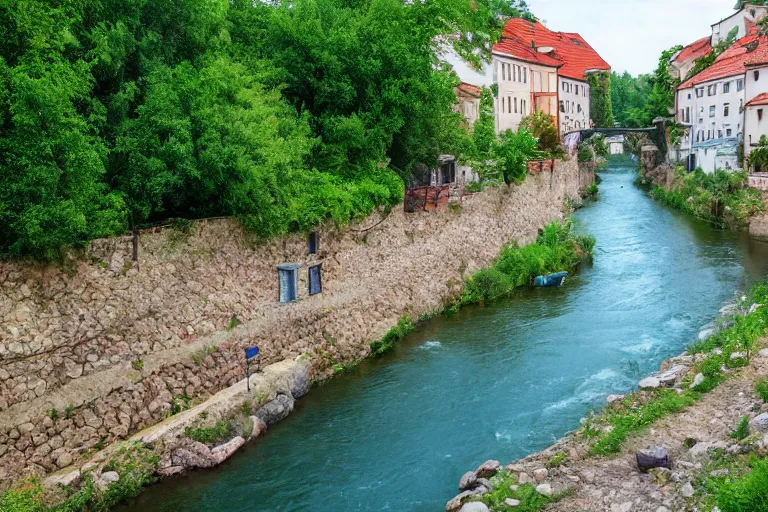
{"type": "Point", "coordinates": [742, 21]}
{"type": "Point", "coordinates": [573, 104]}
{"type": "Point", "coordinates": [756, 110]}
{"type": "Point", "coordinates": [514, 78]}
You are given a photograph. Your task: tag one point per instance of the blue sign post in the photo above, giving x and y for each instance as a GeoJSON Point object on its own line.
{"type": "Point", "coordinates": [250, 353]}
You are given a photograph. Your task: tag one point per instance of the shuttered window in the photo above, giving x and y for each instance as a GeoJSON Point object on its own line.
{"type": "Point", "coordinates": [315, 280]}
{"type": "Point", "coordinates": [287, 278]}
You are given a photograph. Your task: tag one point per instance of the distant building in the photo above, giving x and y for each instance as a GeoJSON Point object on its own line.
{"type": "Point", "coordinates": [711, 106]}
{"type": "Point", "coordinates": [468, 97]}
{"type": "Point", "coordinates": [741, 23]}
{"type": "Point", "coordinates": [615, 144]}
{"type": "Point", "coordinates": [539, 69]}
{"type": "Point", "coordinates": [683, 61]}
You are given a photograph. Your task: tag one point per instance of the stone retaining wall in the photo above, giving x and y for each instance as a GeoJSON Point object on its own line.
{"type": "Point", "coordinates": [100, 348]}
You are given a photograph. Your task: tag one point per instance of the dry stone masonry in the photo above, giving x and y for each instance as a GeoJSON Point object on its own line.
{"type": "Point", "coordinates": [101, 347]}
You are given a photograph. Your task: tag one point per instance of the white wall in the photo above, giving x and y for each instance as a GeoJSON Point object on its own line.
{"type": "Point", "coordinates": [574, 104]}
{"type": "Point", "coordinates": [514, 100]}
{"type": "Point", "coordinates": [709, 126]}
{"type": "Point", "coordinates": [754, 127]}
{"type": "Point", "coordinates": [752, 13]}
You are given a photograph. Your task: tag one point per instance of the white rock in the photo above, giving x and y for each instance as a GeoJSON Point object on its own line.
{"type": "Point", "coordinates": [698, 379]}
{"type": "Point", "coordinates": [614, 398]}
{"type": "Point", "coordinates": [706, 333]}
{"type": "Point", "coordinates": [753, 308]}
{"type": "Point", "coordinates": [738, 355]}
{"type": "Point", "coordinates": [510, 502]}
{"type": "Point", "coordinates": [623, 507]}
{"type": "Point", "coordinates": [763, 352]}
{"type": "Point", "coordinates": [544, 489]}
{"type": "Point", "coordinates": [524, 478]}
{"type": "Point", "coordinates": [759, 422]}
{"type": "Point", "coordinates": [669, 377]}
{"type": "Point", "coordinates": [540, 474]}
{"type": "Point", "coordinates": [649, 383]}
{"type": "Point", "coordinates": [474, 506]}
{"type": "Point", "coordinates": [110, 477]}
{"type": "Point", "coordinates": [687, 490]}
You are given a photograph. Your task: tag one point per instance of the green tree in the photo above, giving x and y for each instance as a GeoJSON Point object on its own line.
{"type": "Point", "coordinates": [600, 98]}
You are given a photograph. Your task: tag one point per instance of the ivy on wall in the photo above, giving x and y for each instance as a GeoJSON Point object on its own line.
{"type": "Point", "coordinates": [600, 99]}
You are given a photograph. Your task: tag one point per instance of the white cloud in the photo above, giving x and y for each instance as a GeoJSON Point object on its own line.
{"type": "Point", "coordinates": [631, 34]}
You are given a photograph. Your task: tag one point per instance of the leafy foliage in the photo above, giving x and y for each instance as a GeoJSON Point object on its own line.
{"type": "Point", "coordinates": [221, 431]}
{"type": "Point", "coordinates": [404, 327]}
{"type": "Point", "coordinates": [748, 493]}
{"type": "Point", "coordinates": [557, 248]}
{"type": "Point", "coordinates": [600, 106]}
{"type": "Point", "coordinates": [115, 114]}
{"type": "Point", "coordinates": [542, 126]}
{"type": "Point", "coordinates": [720, 198]}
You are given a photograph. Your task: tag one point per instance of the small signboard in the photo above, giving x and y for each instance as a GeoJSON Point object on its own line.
{"type": "Point", "coordinates": [250, 353]}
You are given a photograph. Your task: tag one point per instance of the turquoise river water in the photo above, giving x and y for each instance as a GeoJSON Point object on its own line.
{"type": "Point", "coordinates": [490, 383]}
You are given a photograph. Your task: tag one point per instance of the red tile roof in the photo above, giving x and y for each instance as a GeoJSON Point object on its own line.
{"type": "Point", "coordinates": [521, 51]}
{"type": "Point", "coordinates": [695, 50]}
{"type": "Point", "coordinates": [760, 99]}
{"type": "Point", "coordinates": [571, 51]}
{"type": "Point", "coordinates": [472, 90]}
{"type": "Point", "coordinates": [760, 55]}
{"type": "Point", "coordinates": [731, 62]}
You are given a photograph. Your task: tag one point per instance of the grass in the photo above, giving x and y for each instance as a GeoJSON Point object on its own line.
{"type": "Point", "coordinates": [404, 327]}
{"type": "Point", "coordinates": [199, 355]}
{"type": "Point", "coordinates": [134, 464]}
{"type": "Point", "coordinates": [761, 388]}
{"type": "Point", "coordinates": [722, 199]}
{"type": "Point", "coordinates": [745, 493]}
{"type": "Point", "coordinates": [220, 432]}
{"type": "Point", "coordinates": [530, 500]}
{"type": "Point", "coordinates": [742, 430]}
{"type": "Point", "coordinates": [557, 248]}
{"type": "Point", "coordinates": [556, 460]}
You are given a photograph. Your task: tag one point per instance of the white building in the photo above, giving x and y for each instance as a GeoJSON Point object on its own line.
{"type": "Point", "coordinates": [741, 23]}
{"type": "Point", "coordinates": [538, 69]}
{"type": "Point", "coordinates": [756, 106]}
{"type": "Point", "coordinates": [711, 106]}
{"type": "Point", "coordinates": [683, 61]}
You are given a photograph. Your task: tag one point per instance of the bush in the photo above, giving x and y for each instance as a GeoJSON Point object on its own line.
{"type": "Point", "coordinates": [220, 432]}
{"type": "Point", "coordinates": [404, 327]}
{"type": "Point", "coordinates": [748, 493]}
{"type": "Point", "coordinates": [761, 388]}
{"type": "Point", "coordinates": [742, 430]}
{"type": "Point", "coordinates": [585, 154]}
{"type": "Point", "coordinates": [542, 126]}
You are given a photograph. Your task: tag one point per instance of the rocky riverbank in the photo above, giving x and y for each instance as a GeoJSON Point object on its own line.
{"type": "Point", "coordinates": [701, 411]}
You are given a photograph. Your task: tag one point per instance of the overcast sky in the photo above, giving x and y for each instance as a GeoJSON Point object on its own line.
{"type": "Point", "coordinates": [631, 34]}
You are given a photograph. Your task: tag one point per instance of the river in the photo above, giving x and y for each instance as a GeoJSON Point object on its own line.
{"type": "Point", "coordinates": [490, 383]}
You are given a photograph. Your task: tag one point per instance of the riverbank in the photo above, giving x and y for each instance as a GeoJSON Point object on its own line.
{"type": "Point", "coordinates": [702, 410]}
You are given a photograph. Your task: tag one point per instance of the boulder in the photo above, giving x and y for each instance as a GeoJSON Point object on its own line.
{"type": "Point", "coordinates": [192, 455]}
{"type": "Point", "coordinates": [524, 478]}
{"type": "Point", "coordinates": [468, 481]}
{"type": "Point", "coordinates": [700, 449]}
{"type": "Point", "coordinates": [657, 457]}
{"type": "Point", "coordinates": [698, 379]}
{"type": "Point", "coordinates": [66, 479]}
{"type": "Point", "coordinates": [671, 376]}
{"type": "Point", "coordinates": [738, 355]}
{"type": "Point", "coordinates": [276, 410]}
{"type": "Point", "coordinates": [706, 333]}
{"type": "Point", "coordinates": [510, 502]}
{"type": "Point", "coordinates": [258, 427]}
{"type": "Point", "coordinates": [753, 308]}
{"type": "Point", "coordinates": [763, 352]}
{"type": "Point", "coordinates": [474, 506]}
{"type": "Point", "coordinates": [540, 474]}
{"type": "Point", "coordinates": [544, 489]}
{"type": "Point", "coordinates": [458, 501]}
{"type": "Point", "coordinates": [487, 469]}
{"type": "Point", "coordinates": [170, 471]}
{"type": "Point", "coordinates": [649, 383]}
{"type": "Point", "coordinates": [222, 452]}
{"type": "Point", "coordinates": [687, 490]}
{"type": "Point", "coordinates": [300, 386]}
{"type": "Point", "coordinates": [614, 398]}
{"type": "Point", "coordinates": [759, 423]}
{"type": "Point", "coordinates": [588, 476]}
{"type": "Point", "coordinates": [485, 483]}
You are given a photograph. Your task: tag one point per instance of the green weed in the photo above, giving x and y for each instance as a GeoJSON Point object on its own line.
{"type": "Point", "coordinates": [404, 327]}
{"type": "Point", "coordinates": [210, 435]}
{"type": "Point", "coordinates": [742, 430]}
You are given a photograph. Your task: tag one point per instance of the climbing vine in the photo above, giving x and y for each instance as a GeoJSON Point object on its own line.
{"type": "Point", "coordinates": [600, 98]}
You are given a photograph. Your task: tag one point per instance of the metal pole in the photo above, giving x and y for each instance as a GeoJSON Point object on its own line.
{"type": "Point", "coordinates": [248, 374]}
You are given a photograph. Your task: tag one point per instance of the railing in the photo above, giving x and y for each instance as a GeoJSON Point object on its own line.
{"type": "Point", "coordinates": [759, 180]}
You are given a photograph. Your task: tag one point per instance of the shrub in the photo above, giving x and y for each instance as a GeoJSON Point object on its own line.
{"type": "Point", "coordinates": [404, 327]}
{"type": "Point", "coordinates": [220, 432]}
{"type": "Point", "coordinates": [761, 388]}
{"type": "Point", "coordinates": [748, 493]}
{"type": "Point", "coordinates": [742, 430]}
{"type": "Point", "coordinates": [542, 126]}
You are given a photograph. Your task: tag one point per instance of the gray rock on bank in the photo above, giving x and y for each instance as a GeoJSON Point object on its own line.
{"type": "Point", "coordinates": [276, 410]}
{"type": "Point", "coordinates": [474, 506]}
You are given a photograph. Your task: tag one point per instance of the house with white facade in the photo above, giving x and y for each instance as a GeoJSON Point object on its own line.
{"type": "Point", "coordinates": [681, 64]}
{"type": "Point", "coordinates": [741, 23]}
{"type": "Point", "coordinates": [468, 97]}
{"type": "Point", "coordinates": [711, 106]}
{"type": "Point", "coordinates": [756, 106]}
{"type": "Point", "coordinates": [539, 69]}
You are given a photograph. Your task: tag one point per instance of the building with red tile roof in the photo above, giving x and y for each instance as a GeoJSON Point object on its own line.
{"type": "Point", "coordinates": [540, 69]}
{"type": "Point", "coordinates": [682, 63]}
{"type": "Point", "coordinates": [468, 97]}
{"type": "Point", "coordinates": [760, 99]}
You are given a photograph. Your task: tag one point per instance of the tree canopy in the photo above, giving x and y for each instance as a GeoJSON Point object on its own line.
{"type": "Point", "coordinates": [118, 113]}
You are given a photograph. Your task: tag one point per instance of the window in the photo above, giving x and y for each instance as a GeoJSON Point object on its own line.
{"type": "Point", "coordinates": [315, 280]}
{"type": "Point", "coordinates": [287, 278]}
{"type": "Point", "coordinates": [502, 104]}
{"type": "Point", "coordinates": [726, 88]}
{"type": "Point", "coordinates": [759, 114]}
{"type": "Point", "coordinates": [700, 92]}
{"type": "Point", "coordinates": [687, 114]}
{"type": "Point", "coordinates": [712, 90]}
{"type": "Point", "coordinates": [563, 86]}
{"type": "Point", "coordinates": [719, 134]}
{"type": "Point", "coordinates": [515, 105]}
{"type": "Point", "coordinates": [519, 73]}
{"type": "Point", "coordinates": [525, 75]}
{"type": "Point", "coordinates": [562, 106]}
{"type": "Point", "coordinates": [577, 90]}
{"type": "Point", "coordinates": [726, 109]}
{"type": "Point", "coordinates": [728, 132]}
{"type": "Point", "coordinates": [578, 108]}
{"type": "Point", "coordinates": [712, 111]}
{"type": "Point", "coordinates": [757, 75]}
{"type": "Point", "coordinates": [689, 95]}
{"type": "Point", "coordinates": [312, 243]}
{"type": "Point", "coordinates": [740, 84]}
{"type": "Point", "coordinates": [509, 104]}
